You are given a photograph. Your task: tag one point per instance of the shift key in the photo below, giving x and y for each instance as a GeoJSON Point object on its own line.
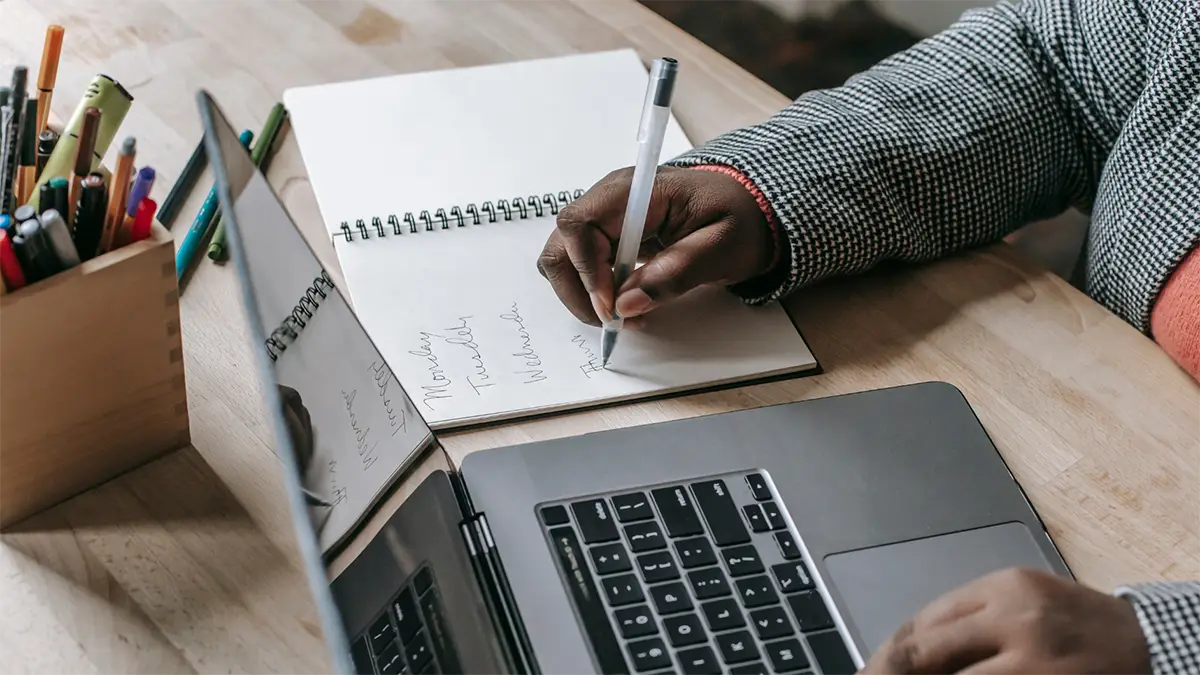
{"type": "Point", "coordinates": [722, 516]}
{"type": "Point", "coordinates": [678, 513]}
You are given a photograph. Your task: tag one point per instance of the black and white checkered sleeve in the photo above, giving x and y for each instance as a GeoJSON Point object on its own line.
{"type": "Point", "coordinates": [1169, 614]}
{"type": "Point", "coordinates": [953, 143]}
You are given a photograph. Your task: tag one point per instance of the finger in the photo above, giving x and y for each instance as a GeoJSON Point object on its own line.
{"type": "Point", "coordinates": [1006, 663]}
{"type": "Point", "coordinates": [555, 265]}
{"type": "Point", "coordinates": [705, 256]}
{"type": "Point", "coordinates": [945, 648]}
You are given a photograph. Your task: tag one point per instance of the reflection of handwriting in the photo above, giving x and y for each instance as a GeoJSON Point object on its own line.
{"type": "Point", "coordinates": [531, 358]}
{"type": "Point", "coordinates": [339, 492]}
{"type": "Point", "coordinates": [398, 421]}
{"type": "Point", "coordinates": [441, 383]}
{"type": "Point", "coordinates": [592, 365]}
{"type": "Point", "coordinates": [362, 440]}
{"type": "Point", "coordinates": [466, 339]}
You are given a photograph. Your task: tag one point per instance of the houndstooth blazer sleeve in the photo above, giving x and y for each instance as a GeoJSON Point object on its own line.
{"type": "Point", "coordinates": [1169, 614]}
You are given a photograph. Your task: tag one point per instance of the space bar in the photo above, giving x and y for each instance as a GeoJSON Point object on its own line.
{"type": "Point", "coordinates": [587, 601]}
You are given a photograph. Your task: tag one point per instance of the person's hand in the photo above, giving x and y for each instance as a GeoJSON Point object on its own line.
{"type": "Point", "coordinates": [1018, 621]}
{"type": "Point", "coordinates": [702, 227]}
{"type": "Point", "coordinates": [299, 425]}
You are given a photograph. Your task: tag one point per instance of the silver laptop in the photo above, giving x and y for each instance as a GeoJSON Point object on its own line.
{"type": "Point", "coordinates": [785, 539]}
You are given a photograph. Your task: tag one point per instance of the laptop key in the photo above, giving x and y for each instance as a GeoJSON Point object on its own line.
{"type": "Point", "coordinates": [645, 537]}
{"type": "Point", "coordinates": [722, 615]}
{"type": "Point", "coordinates": [405, 610]}
{"type": "Point", "coordinates": [610, 558]}
{"type": "Point", "coordinates": [787, 656]}
{"type": "Point", "coordinates": [623, 590]}
{"type": "Point", "coordinates": [592, 612]}
{"type": "Point", "coordinates": [774, 517]}
{"type": "Point", "coordinates": [722, 516]}
{"type": "Point", "coordinates": [670, 598]}
{"type": "Point", "coordinates": [695, 552]}
{"type": "Point", "coordinates": [635, 622]}
{"type": "Point", "coordinates": [756, 517]}
{"type": "Point", "coordinates": [381, 633]}
{"type": "Point", "coordinates": [684, 629]}
{"type": "Point", "coordinates": [771, 622]}
{"type": "Point", "coordinates": [757, 591]}
{"type": "Point", "coordinates": [553, 516]}
{"type": "Point", "coordinates": [708, 583]}
{"type": "Point", "coordinates": [595, 522]}
{"type": "Point", "coordinates": [418, 652]}
{"type": "Point", "coordinates": [830, 653]}
{"type": "Point", "coordinates": [439, 632]}
{"type": "Point", "coordinates": [792, 576]}
{"type": "Point", "coordinates": [656, 567]}
{"type": "Point", "coordinates": [649, 654]}
{"type": "Point", "coordinates": [633, 506]}
{"type": "Point", "coordinates": [362, 657]}
{"type": "Point", "coordinates": [787, 545]}
{"type": "Point", "coordinates": [422, 581]}
{"type": "Point", "coordinates": [699, 661]}
{"type": "Point", "coordinates": [810, 611]}
{"type": "Point", "coordinates": [758, 487]}
{"type": "Point", "coordinates": [756, 668]}
{"type": "Point", "coordinates": [742, 561]}
{"type": "Point", "coordinates": [389, 661]}
{"type": "Point", "coordinates": [678, 513]}
{"type": "Point", "coordinates": [737, 647]}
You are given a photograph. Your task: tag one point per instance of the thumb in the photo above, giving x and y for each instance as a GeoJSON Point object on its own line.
{"type": "Point", "coordinates": [694, 260]}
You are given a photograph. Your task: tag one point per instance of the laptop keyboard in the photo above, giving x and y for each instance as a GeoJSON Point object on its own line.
{"type": "Point", "coordinates": [410, 637]}
{"type": "Point", "coordinates": [697, 577]}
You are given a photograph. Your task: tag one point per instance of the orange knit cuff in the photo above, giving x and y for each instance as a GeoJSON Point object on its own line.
{"type": "Point", "coordinates": [760, 199]}
{"type": "Point", "coordinates": [1175, 319]}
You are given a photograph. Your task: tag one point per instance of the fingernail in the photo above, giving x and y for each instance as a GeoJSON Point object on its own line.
{"type": "Point", "coordinates": [603, 312]}
{"type": "Point", "coordinates": [634, 323]}
{"type": "Point", "coordinates": [633, 302]}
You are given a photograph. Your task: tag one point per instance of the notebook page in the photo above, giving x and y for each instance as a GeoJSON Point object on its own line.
{"type": "Point", "coordinates": [364, 429]}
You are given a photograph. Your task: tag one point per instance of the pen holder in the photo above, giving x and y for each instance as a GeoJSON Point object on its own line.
{"type": "Point", "coordinates": [91, 376]}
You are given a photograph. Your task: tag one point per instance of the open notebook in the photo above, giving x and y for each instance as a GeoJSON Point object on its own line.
{"type": "Point", "coordinates": [438, 215]}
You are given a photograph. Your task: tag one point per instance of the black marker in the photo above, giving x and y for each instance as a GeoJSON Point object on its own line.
{"type": "Point", "coordinates": [42, 261]}
{"type": "Point", "coordinates": [45, 145]}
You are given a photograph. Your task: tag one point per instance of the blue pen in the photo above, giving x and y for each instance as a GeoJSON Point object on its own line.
{"type": "Point", "coordinates": [190, 245]}
{"type": "Point", "coordinates": [141, 190]}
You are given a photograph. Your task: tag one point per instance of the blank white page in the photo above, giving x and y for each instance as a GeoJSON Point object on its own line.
{"type": "Point", "coordinates": [461, 314]}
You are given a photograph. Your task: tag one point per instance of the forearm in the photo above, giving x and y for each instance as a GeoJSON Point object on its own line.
{"type": "Point", "coordinates": [951, 144]}
{"type": "Point", "coordinates": [1169, 614]}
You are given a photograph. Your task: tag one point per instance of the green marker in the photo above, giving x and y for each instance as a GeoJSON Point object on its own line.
{"type": "Point", "coordinates": [216, 248]}
{"type": "Point", "coordinates": [113, 102]}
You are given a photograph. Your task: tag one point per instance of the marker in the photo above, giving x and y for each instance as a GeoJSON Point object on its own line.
{"type": "Point", "coordinates": [118, 194]}
{"type": "Point", "coordinates": [27, 163]}
{"type": "Point", "coordinates": [143, 221]}
{"type": "Point", "coordinates": [190, 245]}
{"type": "Point", "coordinates": [47, 74]}
{"type": "Point", "coordinates": [259, 156]}
{"type": "Point", "coordinates": [45, 145]}
{"type": "Point", "coordinates": [13, 126]}
{"type": "Point", "coordinates": [23, 214]}
{"type": "Point", "coordinates": [83, 160]}
{"type": "Point", "coordinates": [140, 190]}
{"type": "Point", "coordinates": [10, 266]}
{"type": "Point", "coordinates": [89, 226]}
{"type": "Point", "coordinates": [5, 93]}
{"type": "Point", "coordinates": [59, 186]}
{"type": "Point", "coordinates": [60, 239]}
{"type": "Point", "coordinates": [42, 262]}
{"type": "Point", "coordinates": [183, 186]}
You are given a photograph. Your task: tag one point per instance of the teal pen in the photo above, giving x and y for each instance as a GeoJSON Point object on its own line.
{"type": "Point", "coordinates": [190, 246]}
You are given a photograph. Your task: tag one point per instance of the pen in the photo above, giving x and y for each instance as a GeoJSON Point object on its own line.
{"type": "Point", "coordinates": [190, 245]}
{"type": "Point", "coordinates": [140, 190]}
{"type": "Point", "coordinates": [47, 74]}
{"type": "Point", "coordinates": [259, 155]}
{"type": "Point", "coordinates": [59, 187]}
{"type": "Point", "coordinates": [45, 145]}
{"type": "Point", "coordinates": [183, 185]}
{"type": "Point", "coordinates": [83, 160]}
{"type": "Point", "coordinates": [12, 138]}
{"type": "Point", "coordinates": [89, 225]}
{"type": "Point", "coordinates": [60, 239]}
{"type": "Point", "coordinates": [26, 165]}
{"type": "Point", "coordinates": [42, 261]}
{"type": "Point", "coordinates": [118, 194]}
{"type": "Point", "coordinates": [656, 111]}
{"type": "Point", "coordinates": [10, 267]}
{"type": "Point", "coordinates": [46, 197]}
{"type": "Point", "coordinates": [143, 220]}
{"type": "Point", "coordinates": [5, 93]}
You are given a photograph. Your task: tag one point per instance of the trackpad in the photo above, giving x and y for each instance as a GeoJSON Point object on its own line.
{"type": "Point", "coordinates": [882, 587]}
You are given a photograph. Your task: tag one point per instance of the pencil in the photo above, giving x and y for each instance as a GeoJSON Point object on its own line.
{"type": "Point", "coordinates": [183, 186]}
{"type": "Point", "coordinates": [83, 160]}
{"type": "Point", "coordinates": [118, 189]}
{"type": "Point", "coordinates": [190, 246]}
{"type": "Point", "coordinates": [27, 164]}
{"type": "Point", "coordinates": [47, 74]}
{"type": "Point", "coordinates": [262, 149]}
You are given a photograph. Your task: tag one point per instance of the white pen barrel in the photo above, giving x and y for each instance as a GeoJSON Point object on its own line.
{"type": "Point", "coordinates": [650, 141]}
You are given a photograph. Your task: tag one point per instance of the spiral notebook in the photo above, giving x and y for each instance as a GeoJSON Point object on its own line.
{"type": "Point", "coordinates": [439, 190]}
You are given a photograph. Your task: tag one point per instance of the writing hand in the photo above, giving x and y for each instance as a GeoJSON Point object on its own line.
{"type": "Point", "coordinates": [702, 228]}
{"type": "Point", "coordinates": [1018, 621]}
{"type": "Point", "coordinates": [299, 425]}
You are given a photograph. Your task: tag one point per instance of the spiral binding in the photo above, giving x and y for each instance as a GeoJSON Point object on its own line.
{"type": "Point", "coordinates": [475, 214]}
{"type": "Point", "coordinates": [289, 330]}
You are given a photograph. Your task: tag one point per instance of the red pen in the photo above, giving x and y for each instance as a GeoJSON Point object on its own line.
{"type": "Point", "coordinates": [10, 267]}
{"type": "Point", "coordinates": [143, 220]}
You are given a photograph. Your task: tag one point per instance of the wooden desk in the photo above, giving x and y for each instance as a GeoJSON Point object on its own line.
{"type": "Point", "coordinates": [184, 565]}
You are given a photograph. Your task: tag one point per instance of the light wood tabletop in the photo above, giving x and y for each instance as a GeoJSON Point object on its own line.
{"type": "Point", "coordinates": [186, 564]}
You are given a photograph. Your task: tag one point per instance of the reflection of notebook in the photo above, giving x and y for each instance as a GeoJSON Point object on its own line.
{"type": "Point", "coordinates": [439, 190]}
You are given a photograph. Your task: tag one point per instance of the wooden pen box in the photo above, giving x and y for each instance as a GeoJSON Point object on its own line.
{"type": "Point", "coordinates": [91, 375]}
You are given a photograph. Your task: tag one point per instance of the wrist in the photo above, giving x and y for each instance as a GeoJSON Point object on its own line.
{"type": "Point", "coordinates": [776, 239]}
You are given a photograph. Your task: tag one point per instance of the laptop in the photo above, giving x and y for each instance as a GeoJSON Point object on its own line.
{"type": "Point", "coordinates": [791, 538]}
